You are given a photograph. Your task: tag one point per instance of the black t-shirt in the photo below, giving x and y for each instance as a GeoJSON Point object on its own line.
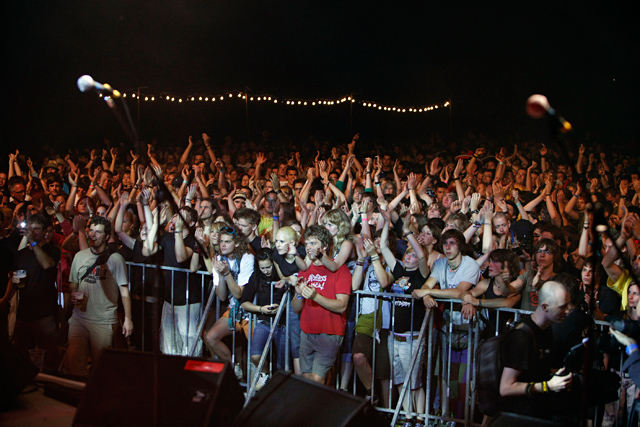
{"type": "Point", "coordinates": [531, 355]}
{"type": "Point", "coordinates": [177, 278]}
{"type": "Point", "coordinates": [402, 318]}
{"type": "Point", "coordinates": [264, 292]}
{"type": "Point", "coordinates": [573, 329]}
{"type": "Point", "coordinates": [39, 298]}
{"type": "Point", "coordinates": [287, 269]}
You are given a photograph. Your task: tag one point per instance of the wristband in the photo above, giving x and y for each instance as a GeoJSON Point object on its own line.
{"type": "Point", "coordinates": [177, 232]}
{"type": "Point", "coordinates": [456, 179]}
{"type": "Point", "coordinates": [518, 204]}
{"type": "Point", "coordinates": [528, 389]}
{"type": "Point", "coordinates": [365, 219]}
{"type": "Point", "coordinates": [277, 191]}
{"type": "Point", "coordinates": [375, 258]}
{"type": "Point", "coordinates": [408, 233]}
{"type": "Point", "coordinates": [276, 218]}
{"type": "Point", "coordinates": [35, 243]}
{"type": "Point", "coordinates": [576, 196]}
{"type": "Point", "coordinates": [545, 387]}
{"type": "Point", "coordinates": [299, 296]}
{"type": "Point", "coordinates": [378, 183]}
{"type": "Point", "coordinates": [359, 263]}
{"type": "Point", "coordinates": [184, 181]}
{"type": "Point", "coordinates": [631, 347]}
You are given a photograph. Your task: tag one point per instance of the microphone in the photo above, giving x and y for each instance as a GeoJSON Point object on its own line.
{"type": "Point", "coordinates": [87, 84]}
{"type": "Point", "coordinates": [538, 106]}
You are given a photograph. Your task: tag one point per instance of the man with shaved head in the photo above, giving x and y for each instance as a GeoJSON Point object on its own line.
{"type": "Point", "coordinates": [528, 386]}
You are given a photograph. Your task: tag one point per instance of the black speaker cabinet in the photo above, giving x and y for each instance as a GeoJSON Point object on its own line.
{"type": "Point", "coordinates": [142, 389]}
{"type": "Point", "coordinates": [506, 419]}
{"type": "Point", "coordinates": [287, 400]}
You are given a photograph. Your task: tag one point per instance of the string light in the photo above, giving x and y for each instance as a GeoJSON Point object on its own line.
{"type": "Point", "coordinates": [240, 95]}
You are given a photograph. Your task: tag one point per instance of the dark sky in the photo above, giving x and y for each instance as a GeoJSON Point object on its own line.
{"type": "Point", "coordinates": [487, 57]}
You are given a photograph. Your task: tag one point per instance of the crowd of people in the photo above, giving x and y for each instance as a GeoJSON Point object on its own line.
{"type": "Point", "coordinates": [483, 226]}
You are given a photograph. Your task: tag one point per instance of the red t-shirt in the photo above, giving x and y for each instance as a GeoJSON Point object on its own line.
{"type": "Point", "coordinates": [316, 319]}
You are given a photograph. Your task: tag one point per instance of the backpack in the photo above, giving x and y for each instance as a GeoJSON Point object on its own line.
{"type": "Point", "coordinates": [489, 368]}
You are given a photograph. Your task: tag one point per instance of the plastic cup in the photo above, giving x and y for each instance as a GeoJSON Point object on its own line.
{"type": "Point", "coordinates": [37, 357]}
{"type": "Point", "coordinates": [22, 276]}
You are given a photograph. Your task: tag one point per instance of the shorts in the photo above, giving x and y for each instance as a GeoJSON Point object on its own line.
{"type": "Point", "coordinates": [364, 344]}
{"type": "Point", "coordinates": [400, 353]}
{"type": "Point", "coordinates": [318, 352]}
{"type": "Point", "coordinates": [240, 326]}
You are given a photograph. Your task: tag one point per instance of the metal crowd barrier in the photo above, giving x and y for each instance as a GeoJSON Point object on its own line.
{"type": "Point", "coordinates": [434, 339]}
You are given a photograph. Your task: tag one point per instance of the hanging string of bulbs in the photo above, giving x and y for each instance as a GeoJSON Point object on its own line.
{"type": "Point", "coordinates": [320, 102]}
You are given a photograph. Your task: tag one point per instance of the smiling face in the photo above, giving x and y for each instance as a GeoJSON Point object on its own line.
{"type": "Point", "coordinates": [97, 237]}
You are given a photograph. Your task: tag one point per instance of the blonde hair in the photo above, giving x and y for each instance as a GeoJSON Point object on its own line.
{"type": "Point", "coordinates": [290, 234]}
{"type": "Point", "coordinates": [339, 218]}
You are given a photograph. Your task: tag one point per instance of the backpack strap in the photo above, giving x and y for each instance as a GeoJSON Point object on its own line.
{"type": "Point", "coordinates": [102, 259]}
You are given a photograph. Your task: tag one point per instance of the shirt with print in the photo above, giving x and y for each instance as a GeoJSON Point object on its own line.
{"type": "Point", "coordinates": [316, 319]}
{"type": "Point", "coordinates": [100, 286]}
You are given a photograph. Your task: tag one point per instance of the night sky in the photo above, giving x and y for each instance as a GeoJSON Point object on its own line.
{"type": "Point", "coordinates": [487, 57]}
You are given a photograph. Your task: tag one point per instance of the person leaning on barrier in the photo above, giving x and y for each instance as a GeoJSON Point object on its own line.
{"type": "Point", "coordinates": [527, 385]}
{"type": "Point", "coordinates": [456, 274]}
{"type": "Point", "coordinates": [495, 292]}
{"type": "Point", "coordinates": [179, 318]}
{"type": "Point", "coordinates": [408, 276]}
{"type": "Point", "coordinates": [234, 266]}
{"type": "Point", "coordinates": [262, 296]}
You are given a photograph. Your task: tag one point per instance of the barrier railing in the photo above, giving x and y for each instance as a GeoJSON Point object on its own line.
{"type": "Point", "coordinates": [442, 344]}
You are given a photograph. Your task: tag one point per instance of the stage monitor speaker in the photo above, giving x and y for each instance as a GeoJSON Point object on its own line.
{"type": "Point", "coordinates": [289, 400]}
{"type": "Point", "coordinates": [124, 390]}
{"type": "Point", "coordinates": [506, 419]}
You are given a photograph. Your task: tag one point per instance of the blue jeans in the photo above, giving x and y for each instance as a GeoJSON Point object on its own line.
{"type": "Point", "coordinates": [259, 340]}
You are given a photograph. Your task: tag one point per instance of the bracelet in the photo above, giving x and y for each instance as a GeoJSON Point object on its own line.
{"type": "Point", "coordinates": [375, 258]}
{"type": "Point", "coordinates": [576, 195]}
{"type": "Point", "coordinates": [367, 173]}
{"type": "Point", "coordinates": [184, 181]}
{"type": "Point", "coordinates": [365, 219]}
{"type": "Point", "coordinates": [631, 347]}
{"type": "Point", "coordinates": [359, 263]}
{"type": "Point", "coordinates": [177, 232]}
{"type": "Point", "coordinates": [528, 389]}
{"type": "Point", "coordinates": [277, 191]}
{"type": "Point", "coordinates": [408, 233]}
{"type": "Point", "coordinates": [475, 211]}
{"type": "Point", "coordinates": [456, 179]}
{"type": "Point", "coordinates": [501, 163]}
{"type": "Point", "coordinates": [35, 243]}
{"type": "Point", "coordinates": [410, 188]}
{"type": "Point", "coordinates": [480, 303]}
{"type": "Point", "coordinates": [377, 183]}
{"type": "Point", "coordinates": [518, 204]}
{"type": "Point", "coordinates": [227, 273]}
{"type": "Point", "coordinates": [261, 310]}
{"type": "Point", "coordinates": [299, 296]}
{"type": "Point", "coordinates": [431, 176]}
{"type": "Point", "coordinates": [545, 387]}
{"type": "Point", "coordinates": [276, 218]}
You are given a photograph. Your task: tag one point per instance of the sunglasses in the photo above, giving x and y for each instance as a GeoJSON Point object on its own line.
{"type": "Point", "coordinates": [228, 230]}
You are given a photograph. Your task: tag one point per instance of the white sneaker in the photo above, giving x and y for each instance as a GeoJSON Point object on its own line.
{"type": "Point", "coordinates": [237, 369]}
{"type": "Point", "coordinates": [262, 380]}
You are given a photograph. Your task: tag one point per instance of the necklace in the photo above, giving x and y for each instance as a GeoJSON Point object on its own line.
{"type": "Point", "coordinates": [452, 269]}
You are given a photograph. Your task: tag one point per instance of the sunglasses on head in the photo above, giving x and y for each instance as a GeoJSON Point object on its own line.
{"type": "Point", "coordinates": [228, 230]}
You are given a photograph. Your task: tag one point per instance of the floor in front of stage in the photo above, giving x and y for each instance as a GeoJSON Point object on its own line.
{"type": "Point", "coordinates": [33, 409]}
